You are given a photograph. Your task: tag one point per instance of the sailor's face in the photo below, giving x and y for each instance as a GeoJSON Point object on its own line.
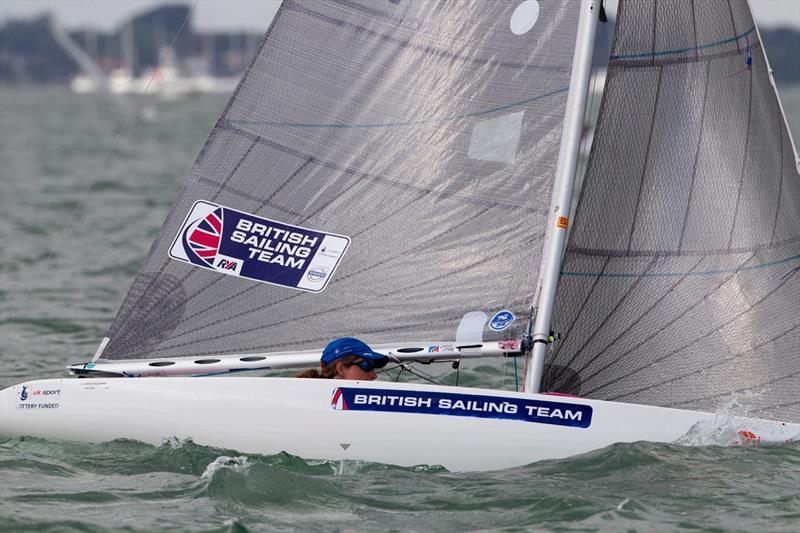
{"type": "Point", "coordinates": [355, 370]}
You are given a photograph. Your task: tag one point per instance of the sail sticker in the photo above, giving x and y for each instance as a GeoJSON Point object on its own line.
{"type": "Point", "coordinates": [496, 139]}
{"type": "Point", "coordinates": [562, 222]}
{"type": "Point", "coordinates": [441, 348]}
{"type": "Point", "coordinates": [453, 404]}
{"type": "Point", "coordinates": [511, 345]}
{"type": "Point", "coordinates": [524, 17]}
{"type": "Point", "coordinates": [241, 244]}
{"type": "Point", "coordinates": [501, 320]}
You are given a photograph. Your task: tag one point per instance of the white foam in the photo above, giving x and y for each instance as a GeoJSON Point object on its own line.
{"type": "Point", "coordinates": [732, 424]}
{"type": "Point", "coordinates": [239, 464]}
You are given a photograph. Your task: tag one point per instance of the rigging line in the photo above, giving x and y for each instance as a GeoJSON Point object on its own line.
{"type": "Point", "coordinates": [413, 371]}
{"type": "Point", "coordinates": [516, 376]}
{"type": "Point", "coordinates": [82, 198]}
{"type": "Point", "coordinates": [689, 343]}
{"type": "Point", "coordinates": [717, 363]}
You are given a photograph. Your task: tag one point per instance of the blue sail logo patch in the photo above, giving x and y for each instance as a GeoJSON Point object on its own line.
{"type": "Point", "coordinates": [501, 320]}
{"type": "Point", "coordinates": [241, 244]}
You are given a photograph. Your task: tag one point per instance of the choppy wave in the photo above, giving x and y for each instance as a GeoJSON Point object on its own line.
{"type": "Point", "coordinates": [180, 485]}
{"type": "Point", "coordinates": [56, 302]}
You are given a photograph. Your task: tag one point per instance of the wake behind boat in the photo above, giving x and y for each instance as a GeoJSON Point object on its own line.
{"type": "Point", "coordinates": [403, 172]}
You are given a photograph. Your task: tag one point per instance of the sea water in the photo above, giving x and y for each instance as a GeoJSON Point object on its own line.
{"type": "Point", "coordinates": [79, 208]}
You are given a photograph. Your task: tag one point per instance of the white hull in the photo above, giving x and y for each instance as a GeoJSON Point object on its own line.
{"type": "Point", "coordinates": [302, 417]}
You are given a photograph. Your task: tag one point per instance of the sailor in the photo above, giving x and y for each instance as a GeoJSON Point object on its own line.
{"type": "Point", "coordinates": [347, 358]}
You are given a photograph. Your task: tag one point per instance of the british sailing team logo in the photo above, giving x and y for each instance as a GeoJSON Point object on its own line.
{"type": "Point", "coordinates": [203, 239]}
{"type": "Point", "coordinates": [245, 245]}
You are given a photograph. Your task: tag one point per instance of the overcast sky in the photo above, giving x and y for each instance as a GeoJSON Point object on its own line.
{"type": "Point", "coordinates": [255, 15]}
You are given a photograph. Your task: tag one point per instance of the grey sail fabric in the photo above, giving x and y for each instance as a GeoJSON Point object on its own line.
{"type": "Point", "coordinates": [425, 131]}
{"type": "Point", "coordinates": [681, 281]}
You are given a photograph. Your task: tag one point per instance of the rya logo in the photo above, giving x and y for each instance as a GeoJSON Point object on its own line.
{"type": "Point", "coordinates": [225, 264]}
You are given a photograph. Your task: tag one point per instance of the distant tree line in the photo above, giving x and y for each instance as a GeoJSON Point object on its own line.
{"type": "Point", "coordinates": [29, 54]}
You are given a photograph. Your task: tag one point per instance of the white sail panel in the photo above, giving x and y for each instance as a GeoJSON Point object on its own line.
{"type": "Point", "coordinates": [426, 132]}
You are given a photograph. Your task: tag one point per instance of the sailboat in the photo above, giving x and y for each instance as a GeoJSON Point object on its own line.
{"type": "Point", "coordinates": [404, 172]}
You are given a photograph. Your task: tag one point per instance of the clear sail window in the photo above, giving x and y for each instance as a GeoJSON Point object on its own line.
{"type": "Point", "coordinates": [496, 139]}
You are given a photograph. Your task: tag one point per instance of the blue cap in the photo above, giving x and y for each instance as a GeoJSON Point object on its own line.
{"type": "Point", "coordinates": [344, 346]}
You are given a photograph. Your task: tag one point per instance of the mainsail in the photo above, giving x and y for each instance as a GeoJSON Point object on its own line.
{"type": "Point", "coordinates": [425, 132]}
{"type": "Point", "coordinates": [681, 282]}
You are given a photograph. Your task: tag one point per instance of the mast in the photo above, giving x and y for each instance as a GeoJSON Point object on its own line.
{"type": "Point", "coordinates": [562, 193]}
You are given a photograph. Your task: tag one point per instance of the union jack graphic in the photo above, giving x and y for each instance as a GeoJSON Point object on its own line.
{"type": "Point", "coordinates": [204, 239]}
{"type": "Point", "coordinates": [338, 402]}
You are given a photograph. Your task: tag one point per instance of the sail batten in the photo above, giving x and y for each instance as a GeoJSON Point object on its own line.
{"type": "Point", "coordinates": [681, 280]}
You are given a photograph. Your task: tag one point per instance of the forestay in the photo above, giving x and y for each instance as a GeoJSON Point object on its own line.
{"type": "Point", "coordinates": [423, 132]}
{"type": "Point", "coordinates": [681, 283]}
